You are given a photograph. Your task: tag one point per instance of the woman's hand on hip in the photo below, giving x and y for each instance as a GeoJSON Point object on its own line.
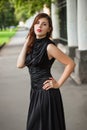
{"type": "Point", "coordinates": [50, 83]}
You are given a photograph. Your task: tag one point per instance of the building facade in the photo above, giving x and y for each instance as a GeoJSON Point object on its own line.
{"type": "Point", "coordinates": [70, 27]}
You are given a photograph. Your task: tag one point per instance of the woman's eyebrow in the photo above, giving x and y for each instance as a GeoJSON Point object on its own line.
{"type": "Point", "coordinates": [44, 22]}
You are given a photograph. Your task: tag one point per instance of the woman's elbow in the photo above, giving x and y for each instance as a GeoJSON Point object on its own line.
{"type": "Point", "coordinates": [72, 65]}
{"type": "Point", "coordinates": [20, 66]}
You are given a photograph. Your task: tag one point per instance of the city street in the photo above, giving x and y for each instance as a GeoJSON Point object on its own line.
{"type": "Point", "coordinates": [15, 89]}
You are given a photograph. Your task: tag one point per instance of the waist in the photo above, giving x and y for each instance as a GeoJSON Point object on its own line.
{"type": "Point", "coordinates": [39, 72]}
{"type": "Point", "coordinates": [38, 76]}
{"type": "Point", "coordinates": [37, 82]}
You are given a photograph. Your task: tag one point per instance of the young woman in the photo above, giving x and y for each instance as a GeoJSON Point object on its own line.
{"type": "Point", "coordinates": [38, 54]}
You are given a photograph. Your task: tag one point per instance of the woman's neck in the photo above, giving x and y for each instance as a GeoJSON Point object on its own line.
{"type": "Point", "coordinates": [40, 37]}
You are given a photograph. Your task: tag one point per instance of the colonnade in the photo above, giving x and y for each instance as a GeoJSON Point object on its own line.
{"type": "Point", "coordinates": [76, 35]}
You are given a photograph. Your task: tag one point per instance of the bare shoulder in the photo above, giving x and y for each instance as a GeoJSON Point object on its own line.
{"type": "Point", "coordinates": [51, 48]}
{"type": "Point", "coordinates": [55, 52]}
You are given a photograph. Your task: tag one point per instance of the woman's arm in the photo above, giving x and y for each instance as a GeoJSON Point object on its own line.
{"type": "Point", "coordinates": [55, 52]}
{"type": "Point", "coordinates": [22, 56]}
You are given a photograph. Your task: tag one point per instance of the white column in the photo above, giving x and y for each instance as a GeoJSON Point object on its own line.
{"type": "Point", "coordinates": [72, 23]}
{"type": "Point", "coordinates": [55, 21]}
{"type": "Point", "coordinates": [82, 24]}
{"type": "Point", "coordinates": [46, 9]}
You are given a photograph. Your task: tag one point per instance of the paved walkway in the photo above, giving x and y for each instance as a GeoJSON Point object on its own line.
{"type": "Point", "coordinates": [15, 88]}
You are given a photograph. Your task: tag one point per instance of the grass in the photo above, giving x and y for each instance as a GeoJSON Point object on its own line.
{"type": "Point", "coordinates": [6, 35]}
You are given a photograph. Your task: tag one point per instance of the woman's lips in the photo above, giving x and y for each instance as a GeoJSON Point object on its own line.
{"type": "Point", "coordinates": [39, 30]}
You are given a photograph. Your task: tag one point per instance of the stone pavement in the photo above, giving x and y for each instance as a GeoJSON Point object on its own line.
{"type": "Point", "coordinates": [15, 88]}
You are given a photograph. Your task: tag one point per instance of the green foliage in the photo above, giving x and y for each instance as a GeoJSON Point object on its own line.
{"type": "Point", "coordinates": [27, 8]}
{"type": "Point", "coordinates": [5, 35]}
{"type": "Point", "coordinates": [7, 17]}
{"type": "Point", "coordinates": [12, 11]}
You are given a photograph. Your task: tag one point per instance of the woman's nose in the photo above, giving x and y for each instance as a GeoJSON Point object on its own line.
{"type": "Point", "coordinates": [40, 25]}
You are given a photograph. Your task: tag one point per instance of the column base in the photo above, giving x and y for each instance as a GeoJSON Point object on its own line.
{"type": "Point", "coordinates": [71, 52]}
{"type": "Point", "coordinates": [76, 78]}
{"type": "Point", "coordinates": [80, 73]}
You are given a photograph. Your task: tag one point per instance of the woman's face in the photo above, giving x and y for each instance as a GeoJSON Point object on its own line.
{"type": "Point", "coordinates": [41, 28]}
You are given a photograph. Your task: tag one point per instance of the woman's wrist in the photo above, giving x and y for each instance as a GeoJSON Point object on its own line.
{"type": "Point", "coordinates": [58, 84]}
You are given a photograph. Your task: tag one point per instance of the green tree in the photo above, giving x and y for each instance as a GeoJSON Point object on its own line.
{"type": "Point", "coordinates": [7, 17]}
{"type": "Point", "coordinates": [27, 8]}
{"type": "Point", "coordinates": [12, 11]}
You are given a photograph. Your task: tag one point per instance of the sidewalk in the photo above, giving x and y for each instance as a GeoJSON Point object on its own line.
{"type": "Point", "coordinates": [15, 88]}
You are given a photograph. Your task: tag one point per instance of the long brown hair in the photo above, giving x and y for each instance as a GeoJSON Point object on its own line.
{"type": "Point", "coordinates": [31, 35]}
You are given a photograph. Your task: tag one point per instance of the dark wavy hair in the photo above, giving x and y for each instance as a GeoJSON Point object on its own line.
{"type": "Point", "coordinates": [31, 33]}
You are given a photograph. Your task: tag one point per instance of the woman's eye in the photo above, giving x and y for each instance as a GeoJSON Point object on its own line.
{"type": "Point", "coordinates": [44, 24]}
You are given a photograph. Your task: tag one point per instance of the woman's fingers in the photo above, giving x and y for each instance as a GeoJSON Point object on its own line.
{"type": "Point", "coordinates": [46, 87]}
{"type": "Point", "coordinates": [47, 81]}
{"type": "Point", "coordinates": [50, 78]}
{"type": "Point", "coordinates": [48, 84]}
{"type": "Point", "coordinates": [51, 83]}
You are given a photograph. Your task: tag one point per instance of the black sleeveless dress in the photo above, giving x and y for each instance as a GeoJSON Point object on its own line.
{"type": "Point", "coordinates": [46, 108]}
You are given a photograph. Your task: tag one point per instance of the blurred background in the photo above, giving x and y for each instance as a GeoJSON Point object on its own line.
{"type": "Point", "coordinates": [69, 20]}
